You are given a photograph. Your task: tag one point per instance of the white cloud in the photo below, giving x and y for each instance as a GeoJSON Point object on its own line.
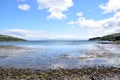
{"type": "Point", "coordinates": [40, 35]}
{"type": "Point", "coordinates": [71, 22]}
{"type": "Point", "coordinates": [24, 7]}
{"type": "Point", "coordinates": [111, 6]}
{"type": "Point", "coordinates": [79, 14]}
{"type": "Point", "coordinates": [55, 7]}
{"type": "Point", "coordinates": [105, 26]}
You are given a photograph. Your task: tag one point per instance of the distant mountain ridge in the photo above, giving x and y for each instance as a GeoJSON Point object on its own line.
{"type": "Point", "coordinates": [111, 37]}
{"type": "Point", "coordinates": [10, 38]}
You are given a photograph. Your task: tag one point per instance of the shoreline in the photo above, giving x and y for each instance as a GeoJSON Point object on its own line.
{"type": "Point", "coordinates": [86, 73]}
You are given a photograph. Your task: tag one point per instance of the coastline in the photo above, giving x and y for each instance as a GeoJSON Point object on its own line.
{"type": "Point", "coordinates": [84, 73]}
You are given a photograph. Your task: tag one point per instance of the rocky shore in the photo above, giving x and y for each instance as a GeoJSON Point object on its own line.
{"type": "Point", "coordinates": [88, 73]}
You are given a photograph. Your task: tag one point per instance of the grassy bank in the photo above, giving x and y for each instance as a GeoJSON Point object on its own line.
{"type": "Point", "coordinates": [90, 73]}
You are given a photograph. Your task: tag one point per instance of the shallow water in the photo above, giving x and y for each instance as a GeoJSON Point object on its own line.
{"type": "Point", "coordinates": [58, 54]}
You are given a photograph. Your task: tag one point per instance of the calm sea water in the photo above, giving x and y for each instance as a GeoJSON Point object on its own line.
{"type": "Point", "coordinates": [54, 54]}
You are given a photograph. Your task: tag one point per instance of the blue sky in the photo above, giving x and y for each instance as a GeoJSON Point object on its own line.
{"type": "Point", "coordinates": [59, 19]}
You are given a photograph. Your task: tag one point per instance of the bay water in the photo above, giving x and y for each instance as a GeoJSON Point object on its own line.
{"type": "Point", "coordinates": [55, 54]}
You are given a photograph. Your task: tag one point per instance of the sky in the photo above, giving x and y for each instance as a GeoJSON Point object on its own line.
{"type": "Point", "coordinates": [59, 19]}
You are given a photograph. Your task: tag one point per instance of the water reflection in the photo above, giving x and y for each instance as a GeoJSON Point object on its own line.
{"type": "Point", "coordinates": [59, 56]}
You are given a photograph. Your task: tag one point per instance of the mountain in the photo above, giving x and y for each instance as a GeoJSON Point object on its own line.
{"type": "Point", "coordinates": [111, 37]}
{"type": "Point", "coordinates": [10, 38]}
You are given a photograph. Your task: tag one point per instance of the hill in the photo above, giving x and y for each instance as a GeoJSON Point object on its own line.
{"type": "Point", "coordinates": [10, 38]}
{"type": "Point", "coordinates": [111, 37]}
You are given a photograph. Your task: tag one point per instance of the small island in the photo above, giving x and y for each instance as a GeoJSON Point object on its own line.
{"type": "Point", "coordinates": [5, 38]}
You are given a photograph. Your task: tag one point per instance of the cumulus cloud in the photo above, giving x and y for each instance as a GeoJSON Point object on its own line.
{"type": "Point", "coordinates": [111, 6]}
{"type": "Point", "coordinates": [56, 8]}
{"type": "Point", "coordinates": [24, 7]}
{"type": "Point", "coordinates": [103, 26]}
{"type": "Point", "coordinates": [109, 25]}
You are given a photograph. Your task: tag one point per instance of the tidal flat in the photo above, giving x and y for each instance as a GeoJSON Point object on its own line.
{"type": "Point", "coordinates": [59, 60]}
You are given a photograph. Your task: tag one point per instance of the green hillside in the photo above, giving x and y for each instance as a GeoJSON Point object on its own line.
{"type": "Point", "coordinates": [111, 37]}
{"type": "Point", "coordinates": [10, 38]}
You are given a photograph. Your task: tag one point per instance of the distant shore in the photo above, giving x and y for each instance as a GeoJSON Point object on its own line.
{"type": "Point", "coordinates": [90, 73]}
